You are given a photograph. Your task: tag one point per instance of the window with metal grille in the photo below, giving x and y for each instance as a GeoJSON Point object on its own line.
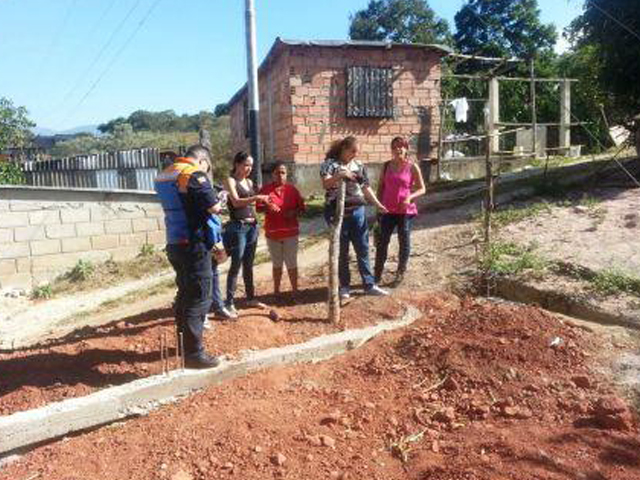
{"type": "Point", "coordinates": [369, 92]}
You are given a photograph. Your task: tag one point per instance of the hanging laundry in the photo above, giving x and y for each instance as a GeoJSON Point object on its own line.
{"type": "Point", "coordinates": [461, 107]}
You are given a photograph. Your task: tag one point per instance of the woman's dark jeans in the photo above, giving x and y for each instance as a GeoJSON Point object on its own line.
{"type": "Point", "coordinates": [240, 240]}
{"type": "Point", "coordinates": [388, 223]}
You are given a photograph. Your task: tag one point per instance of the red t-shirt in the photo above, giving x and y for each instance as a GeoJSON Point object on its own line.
{"type": "Point", "coordinates": [282, 224]}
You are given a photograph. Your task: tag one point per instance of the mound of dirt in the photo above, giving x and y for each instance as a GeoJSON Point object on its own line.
{"type": "Point", "coordinates": [473, 391]}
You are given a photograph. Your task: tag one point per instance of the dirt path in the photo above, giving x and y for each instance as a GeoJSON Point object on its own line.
{"type": "Point", "coordinates": [473, 391]}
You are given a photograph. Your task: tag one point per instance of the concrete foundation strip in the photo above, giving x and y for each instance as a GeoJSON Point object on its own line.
{"type": "Point", "coordinates": [23, 429]}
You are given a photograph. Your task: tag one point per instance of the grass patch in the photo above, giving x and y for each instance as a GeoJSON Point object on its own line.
{"type": "Point", "coordinates": [507, 258]}
{"type": "Point", "coordinates": [42, 292]}
{"type": "Point", "coordinates": [517, 214]}
{"type": "Point", "coordinates": [614, 282]}
{"type": "Point", "coordinates": [86, 275]}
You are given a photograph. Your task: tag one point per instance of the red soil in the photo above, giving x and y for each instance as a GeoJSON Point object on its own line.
{"type": "Point", "coordinates": [472, 391]}
{"type": "Point", "coordinates": [128, 349]}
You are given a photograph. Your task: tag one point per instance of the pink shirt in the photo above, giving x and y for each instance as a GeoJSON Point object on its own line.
{"type": "Point", "coordinates": [397, 187]}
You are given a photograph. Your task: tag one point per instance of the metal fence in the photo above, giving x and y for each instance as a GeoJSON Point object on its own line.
{"type": "Point", "coordinates": [125, 169]}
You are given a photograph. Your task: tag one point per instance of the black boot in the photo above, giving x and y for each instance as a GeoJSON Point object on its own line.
{"type": "Point", "coordinates": [201, 360]}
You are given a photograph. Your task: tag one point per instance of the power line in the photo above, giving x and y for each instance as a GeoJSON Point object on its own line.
{"type": "Point", "coordinates": [115, 58]}
{"type": "Point", "coordinates": [100, 54]}
{"type": "Point", "coordinates": [619, 22]}
{"type": "Point", "coordinates": [58, 35]}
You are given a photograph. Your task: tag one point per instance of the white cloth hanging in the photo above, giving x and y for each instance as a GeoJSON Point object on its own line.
{"type": "Point", "coordinates": [461, 108]}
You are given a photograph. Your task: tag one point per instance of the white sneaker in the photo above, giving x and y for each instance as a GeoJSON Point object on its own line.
{"type": "Point", "coordinates": [345, 293]}
{"type": "Point", "coordinates": [376, 291]}
{"type": "Point", "coordinates": [206, 324]}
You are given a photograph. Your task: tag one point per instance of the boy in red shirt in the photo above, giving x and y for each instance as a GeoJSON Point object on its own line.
{"type": "Point", "coordinates": [281, 225]}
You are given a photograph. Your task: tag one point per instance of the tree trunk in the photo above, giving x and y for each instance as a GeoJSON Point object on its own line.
{"type": "Point", "coordinates": [334, 248]}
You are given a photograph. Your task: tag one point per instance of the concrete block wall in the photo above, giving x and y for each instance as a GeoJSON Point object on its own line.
{"type": "Point", "coordinates": [45, 231]}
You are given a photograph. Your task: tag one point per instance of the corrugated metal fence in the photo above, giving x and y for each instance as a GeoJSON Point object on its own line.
{"type": "Point", "coordinates": [125, 169]}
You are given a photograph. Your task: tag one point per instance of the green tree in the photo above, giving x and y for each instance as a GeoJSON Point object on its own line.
{"type": "Point", "coordinates": [503, 28]}
{"type": "Point", "coordinates": [14, 125]}
{"type": "Point", "coordinates": [402, 21]}
{"type": "Point", "coordinates": [612, 29]}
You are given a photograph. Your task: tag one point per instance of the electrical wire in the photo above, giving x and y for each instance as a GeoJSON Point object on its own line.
{"type": "Point", "coordinates": [56, 39]}
{"type": "Point", "coordinates": [93, 86]}
{"type": "Point", "coordinates": [100, 54]}
{"type": "Point", "coordinates": [619, 22]}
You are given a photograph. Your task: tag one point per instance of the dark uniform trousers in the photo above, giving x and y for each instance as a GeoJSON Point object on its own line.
{"type": "Point", "coordinates": [194, 278]}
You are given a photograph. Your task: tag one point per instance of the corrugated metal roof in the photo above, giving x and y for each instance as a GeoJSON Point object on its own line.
{"type": "Point", "coordinates": [441, 49]}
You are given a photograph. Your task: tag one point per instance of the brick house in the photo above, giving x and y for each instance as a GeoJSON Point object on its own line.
{"type": "Point", "coordinates": [313, 92]}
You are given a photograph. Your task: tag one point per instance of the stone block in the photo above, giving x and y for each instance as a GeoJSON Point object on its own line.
{"type": "Point", "coordinates": [6, 235]}
{"type": "Point", "coordinates": [101, 213]}
{"type": "Point", "coordinates": [75, 215]}
{"type": "Point", "coordinates": [133, 239]}
{"type": "Point", "coordinates": [145, 225]}
{"type": "Point", "coordinates": [45, 247]}
{"type": "Point", "coordinates": [44, 217]}
{"type": "Point", "coordinates": [61, 231]}
{"type": "Point", "coordinates": [89, 229]}
{"type": "Point", "coordinates": [15, 250]}
{"type": "Point", "coordinates": [154, 211]}
{"type": "Point", "coordinates": [118, 226]}
{"type": "Point", "coordinates": [8, 267]}
{"type": "Point", "coordinates": [70, 245]}
{"type": "Point", "coordinates": [23, 265]}
{"type": "Point", "coordinates": [25, 206]}
{"type": "Point", "coordinates": [4, 205]}
{"type": "Point", "coordinates": [156, 238]}
{"type": "Point", "coordinates": [14, 219]}
{"type": "Point", "coordinates": [28, 234]}
{"type": "Point", "coordinates": [17, 280]}
{"type": "Point", "coordinates": [104, 242]}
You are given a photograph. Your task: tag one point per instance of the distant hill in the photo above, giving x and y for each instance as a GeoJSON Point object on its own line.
{"type": "Point", "coordinates": [47, 132]}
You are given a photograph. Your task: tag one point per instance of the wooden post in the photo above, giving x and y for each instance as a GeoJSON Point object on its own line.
{"type": "Point", "coordinates": [443, 111]}
{"type": "Point", "coordinates": [334, 249]}
{"type": "Point", "coordinates": [488, 203]}
{"type": "Point", "coordinates": [534, 120]}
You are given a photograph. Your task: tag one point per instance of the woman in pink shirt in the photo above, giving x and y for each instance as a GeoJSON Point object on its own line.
{"type": "Point", "coordinates": [400, 184]}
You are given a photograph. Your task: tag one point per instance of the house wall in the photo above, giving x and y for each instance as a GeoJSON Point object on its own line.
{"type": "Point", "coordinates": [45, 231]}
{"type": "Point", "coordinates": [307, 86]}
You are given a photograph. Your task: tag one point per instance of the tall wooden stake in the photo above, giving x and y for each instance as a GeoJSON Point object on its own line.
{"type": "Point", "coordinates": [534, 119]}
{"type": "Point", "coordinates": [488, 203]}
{"type": "Point", "coordinates": [334, 248]}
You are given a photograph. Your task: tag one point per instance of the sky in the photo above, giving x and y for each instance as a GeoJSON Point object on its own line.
{"type": "Point", "coordinates": [80, 62]}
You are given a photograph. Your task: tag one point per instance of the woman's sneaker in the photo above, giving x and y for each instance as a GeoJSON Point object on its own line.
{"type": "Point", "coordinates": [344, 293]}
{"type": "Point", "coordinates": [376, 291]}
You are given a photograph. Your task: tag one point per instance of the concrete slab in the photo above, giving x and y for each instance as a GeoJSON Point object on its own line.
{"type": "Point", "coordinates": [24, 429]}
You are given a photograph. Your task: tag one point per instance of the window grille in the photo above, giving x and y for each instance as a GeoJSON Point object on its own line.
{"type": "Point", "coordinates": [369, 92]}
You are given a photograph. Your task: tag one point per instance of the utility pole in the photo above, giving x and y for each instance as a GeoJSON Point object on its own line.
{"type": "Point", "coordinates": [534, 120]}
{"type": "Point", "coordinates": [253, 92]}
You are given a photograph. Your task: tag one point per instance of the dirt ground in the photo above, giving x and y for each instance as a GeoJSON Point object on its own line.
{"type": "Point", "coordinates": [474, 391]}
{"type": "Point", "coordinates": [602, 233]}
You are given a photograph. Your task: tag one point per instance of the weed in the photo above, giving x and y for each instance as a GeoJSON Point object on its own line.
{"type": "Point", "coordinates": [147, 250]}
{"type": "Point", "coordinates": [42, 292]}
{"type": "Point", "coordinates": [517, 214]}
{"type": "Point", "coordinates": [314, 206]}
{"type": "Point", "coordinates": [506, 258]}
{"type": "Point", "coordinates": [614, 282]}
{"type": "Point", "coordinates": [402, 447]}
{"type": "Point", "coordinates": [81, 271]}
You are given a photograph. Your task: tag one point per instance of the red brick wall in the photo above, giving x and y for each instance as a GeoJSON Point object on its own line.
{"type": "Point", "coordinates": [308, 86]}
{"type": "Point", "coordinates": [275, 114]}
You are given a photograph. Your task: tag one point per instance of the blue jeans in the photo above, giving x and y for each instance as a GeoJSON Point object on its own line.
{"type": "Point", "coordinates": [240, 241]}
{"type": "Point", "coordinates": [216, 298]}
{"type": "Point", "coordinates": [355, 230]}
{"type": "Point", "coordinates": [388, 223]}
{"type": "Point", "coordinates": [193, 278]}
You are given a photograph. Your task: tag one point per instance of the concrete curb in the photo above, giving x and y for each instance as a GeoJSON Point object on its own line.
{"type": "Point", "coordinates": [519, 291]}
{"type": "Point", "coordinates": [24, 429]}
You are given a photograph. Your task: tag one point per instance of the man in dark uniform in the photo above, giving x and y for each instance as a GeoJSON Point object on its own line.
{"type": "Point", "coordinates": [188, 200]}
